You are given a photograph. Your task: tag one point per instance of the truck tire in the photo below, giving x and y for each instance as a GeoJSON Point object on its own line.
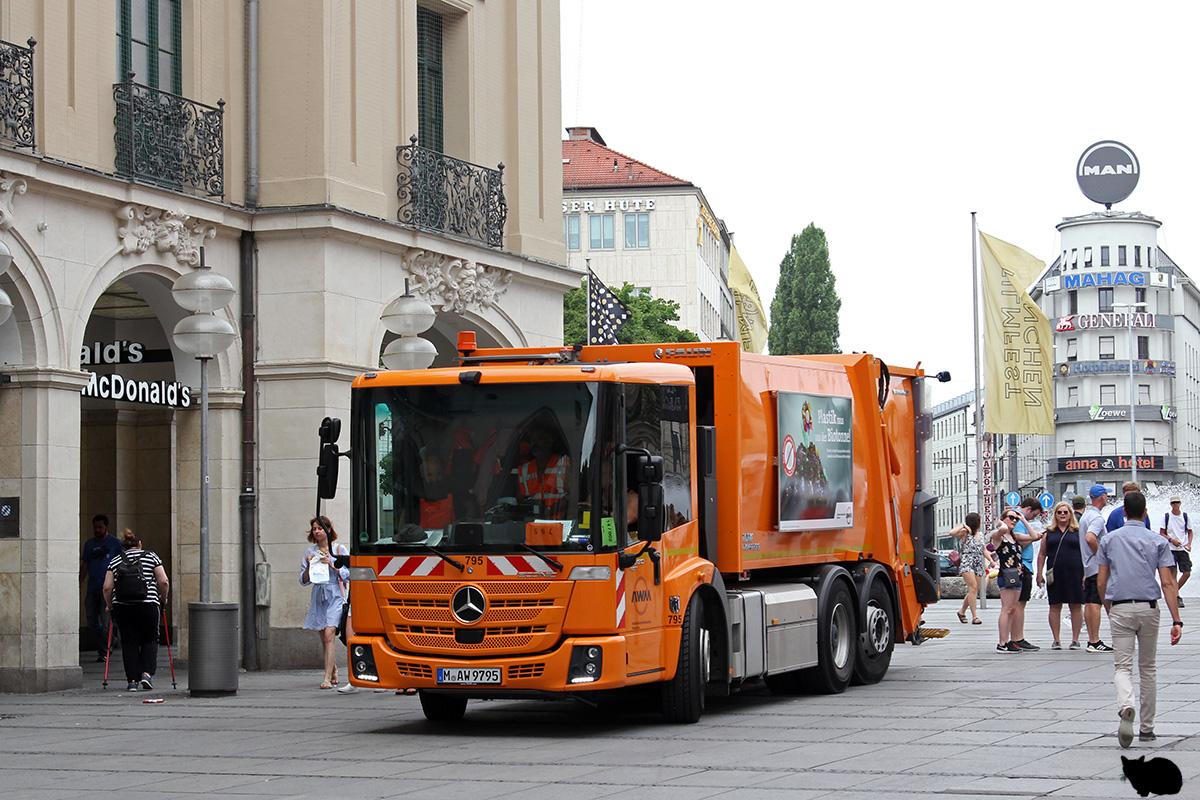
{"type": "Point", "coordinates": [683, 695]}
{"type": "Point", "coordinates": [837, 641]}
{"type": "Point", "coordinates": [878, 638]}
{"type": "Point", "coordinates": [443, 707]}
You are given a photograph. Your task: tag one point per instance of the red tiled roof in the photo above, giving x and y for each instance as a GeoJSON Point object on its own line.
{"type": "Point", "coordinates": [589, 165]}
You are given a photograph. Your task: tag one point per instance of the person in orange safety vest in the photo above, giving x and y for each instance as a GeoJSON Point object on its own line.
{"type": "Point", "coordinates": [543, 478]}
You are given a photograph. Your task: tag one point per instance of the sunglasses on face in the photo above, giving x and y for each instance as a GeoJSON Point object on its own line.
{"type": "Point", "coordinates": [1012, 517]}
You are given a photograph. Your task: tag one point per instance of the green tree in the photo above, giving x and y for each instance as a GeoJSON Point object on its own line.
{"type": "Point", "coordinates": [804, 312]}
{"type": "Point", "coordinates": [649, 318]}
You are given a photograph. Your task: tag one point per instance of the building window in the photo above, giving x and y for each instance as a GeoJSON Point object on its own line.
{"type": "Point", "coordinates": [1104, 255]}
{"type": "Point", "coordinates": [1106, 348]}
{"type": "Point", "coordinates": [148, 43]}
{"type": "Point", "coordinates": [637, 230]}
{"type": "Point", "coordinates": [1108, 394]}
{"type": "Point", "coordinates": [1072, 396]}
{"type": "Point", "coordinates": [1137, 255]}
{"type": "Point", "coordinates": [1087, 257]}
{"type": "Point", "coordinates": [571, 231]}
{"type": "Point", "coordinates": [1072, 349]}
{"type": "Point", "coordinates": [1074, 258]}
{"type": "Point", "coordinates": [1143, 394]}
{"type": "Point", "coordinates": [1121, 255]}
{"type": "Point", "coordinates": [430, 112]}
{"type": "Point", "coordinates": [1072, 302]}
{"type": "Point", "coordinates": [602, 236]}
{"type": "Point", "coordinates": [1106, 300]}
{"type": "Point", "coordinates": [1108, 447]}
{"type": "Point", "coordinates": [1139, 296]}
{"type": "Point", "coordinates": [1068, 447]}
{"type": "Point", "coordinates": [1148, 447]}
{"type": "Point", "coordinates": [1143, 347]}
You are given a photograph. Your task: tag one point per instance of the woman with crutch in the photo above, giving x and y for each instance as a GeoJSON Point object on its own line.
{"type": "Point", "coordinates": [135, 590]}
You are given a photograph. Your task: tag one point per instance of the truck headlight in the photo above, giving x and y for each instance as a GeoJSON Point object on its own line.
{"type": "Point", "coordinates": [362, 660]}
{"type": "Point", "coordinates": [590, 573]}
{"type": "Point", "coordinates": [587, 662]}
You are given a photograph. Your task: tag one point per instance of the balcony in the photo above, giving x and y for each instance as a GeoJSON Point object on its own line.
{"type": "Point", "coordinates": [168, 140]}
{"type": "Point", "coordinates": [16, 94]}
{"type": "Point", "coordinates": [447, 195]}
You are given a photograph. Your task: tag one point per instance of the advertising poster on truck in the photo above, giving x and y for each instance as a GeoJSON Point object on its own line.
{"type": "Point", "coordinates": [816, 462]}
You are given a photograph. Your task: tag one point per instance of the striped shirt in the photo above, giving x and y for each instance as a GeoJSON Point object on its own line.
{"type": "Point", "coordinates": [148, 560]}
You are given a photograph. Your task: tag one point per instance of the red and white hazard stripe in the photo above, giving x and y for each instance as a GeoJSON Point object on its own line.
{"type": "Point", "coordinates": [410, 566]}
{"type": "Point", "coordinates": [621, 601]}
{"type": "Point", "coordinates": [518, 565]}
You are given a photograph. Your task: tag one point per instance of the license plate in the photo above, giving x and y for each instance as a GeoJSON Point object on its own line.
{"type": "Point", "coordinates": [468, 675]}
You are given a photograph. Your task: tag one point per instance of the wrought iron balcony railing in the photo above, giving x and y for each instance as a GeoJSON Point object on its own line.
{"type": "Point", "coordinates": [449, 195]}
{"type": "Point", "coordinates": [168, 140]}
{"type": "Point", "coordinates": [16, 93]}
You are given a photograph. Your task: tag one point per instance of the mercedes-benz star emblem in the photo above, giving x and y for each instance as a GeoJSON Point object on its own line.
{"type": "Point", "coordinates": [468, 604]}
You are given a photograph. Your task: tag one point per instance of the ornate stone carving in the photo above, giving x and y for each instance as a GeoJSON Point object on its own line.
{"type": "Point", "coordinates": [171, 232]}
{"type": "Point", "coordinates": [455, 284]}
{"type": "Point", "coordinates": [8, 188]}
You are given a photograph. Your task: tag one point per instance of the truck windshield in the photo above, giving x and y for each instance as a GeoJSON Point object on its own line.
{"type": "Point", "coordinates": [481, 468]}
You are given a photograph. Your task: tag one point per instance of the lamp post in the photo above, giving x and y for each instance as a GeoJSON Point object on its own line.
{"type": "Point", "coordinates": [203, 335]}
{"type": "Point", "coordinates": [6, 306]}
{"type": "Point", "coordinates": [407, 316]}
{"type": "Point", "coordinates": [1129, 309]}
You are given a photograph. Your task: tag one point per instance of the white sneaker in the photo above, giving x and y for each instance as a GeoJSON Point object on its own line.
{"type": "Point", "coordinates": [1125, 729]}
{"type": "Point", "coordinates": [349, 688]}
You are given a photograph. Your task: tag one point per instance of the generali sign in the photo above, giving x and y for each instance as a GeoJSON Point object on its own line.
{"type": "Point", "coordinates": [1072, 322]}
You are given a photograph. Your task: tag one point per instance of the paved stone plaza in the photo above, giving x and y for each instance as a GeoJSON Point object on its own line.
{"type": "Point", "coordinates": [953, 718]}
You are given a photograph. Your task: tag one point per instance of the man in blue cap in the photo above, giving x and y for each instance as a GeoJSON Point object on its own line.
{"type": "Point", "coordinates": [1091, 530]}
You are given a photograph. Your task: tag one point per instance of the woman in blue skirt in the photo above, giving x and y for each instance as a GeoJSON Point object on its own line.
{"type": "Point", "coordinates": [328, 590]}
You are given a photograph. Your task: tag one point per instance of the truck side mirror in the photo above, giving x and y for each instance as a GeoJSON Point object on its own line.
{"type": "Point", "coordinates": [650, 512]}
{"type": "Point", "coordinates": [647, 476]}
{"type": "Point", "coordinates": [327, 470]}
{"type": "Point", "coordinates": [330, 430]}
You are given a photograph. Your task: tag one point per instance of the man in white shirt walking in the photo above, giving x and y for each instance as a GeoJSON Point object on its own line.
{"type": "Point", "coordinates": [1178, 531]}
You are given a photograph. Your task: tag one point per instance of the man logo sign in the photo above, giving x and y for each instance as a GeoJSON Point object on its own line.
{"type": "Point", "coordinates": [1107, 173]}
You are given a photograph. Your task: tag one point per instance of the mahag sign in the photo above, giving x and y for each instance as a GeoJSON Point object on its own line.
{"type": "Point", "coordinates": [1107, 173]}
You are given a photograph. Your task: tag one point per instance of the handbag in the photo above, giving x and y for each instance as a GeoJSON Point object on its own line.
{"type": "Point", "coordinates": [954, 557]}
{"type": "Point", "coordinates": [1050, 569]}
{"type": "Point", "coordinates": [1010, 578]}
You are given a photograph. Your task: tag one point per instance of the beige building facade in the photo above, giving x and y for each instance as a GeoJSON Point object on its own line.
{"type": "Point", "coordinates": [277, 136]}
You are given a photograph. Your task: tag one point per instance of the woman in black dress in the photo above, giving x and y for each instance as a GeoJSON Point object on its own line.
{"type": "Point", "coordinates": [1060, 553]}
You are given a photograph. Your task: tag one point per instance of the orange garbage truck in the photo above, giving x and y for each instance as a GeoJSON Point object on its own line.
{"type": "Point", "coordinates": [570, 522]}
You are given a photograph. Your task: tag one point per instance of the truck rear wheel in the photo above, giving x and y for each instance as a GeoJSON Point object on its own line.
{"type": "Point", "coordinates": [837, 641]}
{"type": "Point", "coordinates": [878, 639]}
{"type": "Point", "coordinates": [443, 707]}
{"type": "Point", "coordinates": [683, 695]}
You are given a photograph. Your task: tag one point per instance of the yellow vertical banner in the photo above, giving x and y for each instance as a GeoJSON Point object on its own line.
{"type": "Point", "coordinates": [1016, 341]}
{"type": "Point", "coordinates": [751, 320]}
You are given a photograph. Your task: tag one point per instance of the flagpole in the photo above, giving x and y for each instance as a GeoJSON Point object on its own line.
{"type": "Point", "coordinates": [985, 520]}
{"type": "Point", "coordinates": [587, 303]}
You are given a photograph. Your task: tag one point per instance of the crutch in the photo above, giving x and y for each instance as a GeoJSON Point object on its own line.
{"type": "Point", "coordinates": [170, 661]}
{"type": "Point", "coordinates": [108, 652]}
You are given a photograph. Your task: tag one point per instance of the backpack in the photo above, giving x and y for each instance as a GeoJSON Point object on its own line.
{"type": "Point", "coordinates": [128, 581]}
{"type": "Point", "coordinates": [1167, 519]}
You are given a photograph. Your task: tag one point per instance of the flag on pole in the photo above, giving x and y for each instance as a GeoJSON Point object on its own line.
{"type": "Point", "coordinates": [752, 322]}
{"type": "Point", "coordinates": [1016, 342]}
{"type": "Point", "coordinates": [606, 313]}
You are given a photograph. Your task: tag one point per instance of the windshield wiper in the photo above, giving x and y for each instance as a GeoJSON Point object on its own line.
{"type": "Point", "coordinates": [443, 556]}
{"type": "Point", "coordinates": [557, 566]}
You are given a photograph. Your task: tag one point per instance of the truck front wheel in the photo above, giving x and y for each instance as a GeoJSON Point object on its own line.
{"type": "Point", "coordinates": [443, 707]}
{"type": "Point", "coordinates": [878, 638]}
{"type": "Point", "coordinates": [683, 695]}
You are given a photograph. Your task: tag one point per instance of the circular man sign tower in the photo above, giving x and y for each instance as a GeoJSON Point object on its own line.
{"type": "Point", "coordinates": [1107, 173]}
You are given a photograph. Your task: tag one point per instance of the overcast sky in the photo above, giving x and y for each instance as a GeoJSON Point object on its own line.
{"type": "Point", "coordinates": [887, 124]}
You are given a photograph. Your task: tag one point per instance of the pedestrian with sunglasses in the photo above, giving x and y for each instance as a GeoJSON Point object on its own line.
{"type": "Point", "coordinates": [1091, 526]}
{"type": "Point", "coordinates": [1006, 541]}
{"type": "Point", "coordinates": [1060, 570]}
